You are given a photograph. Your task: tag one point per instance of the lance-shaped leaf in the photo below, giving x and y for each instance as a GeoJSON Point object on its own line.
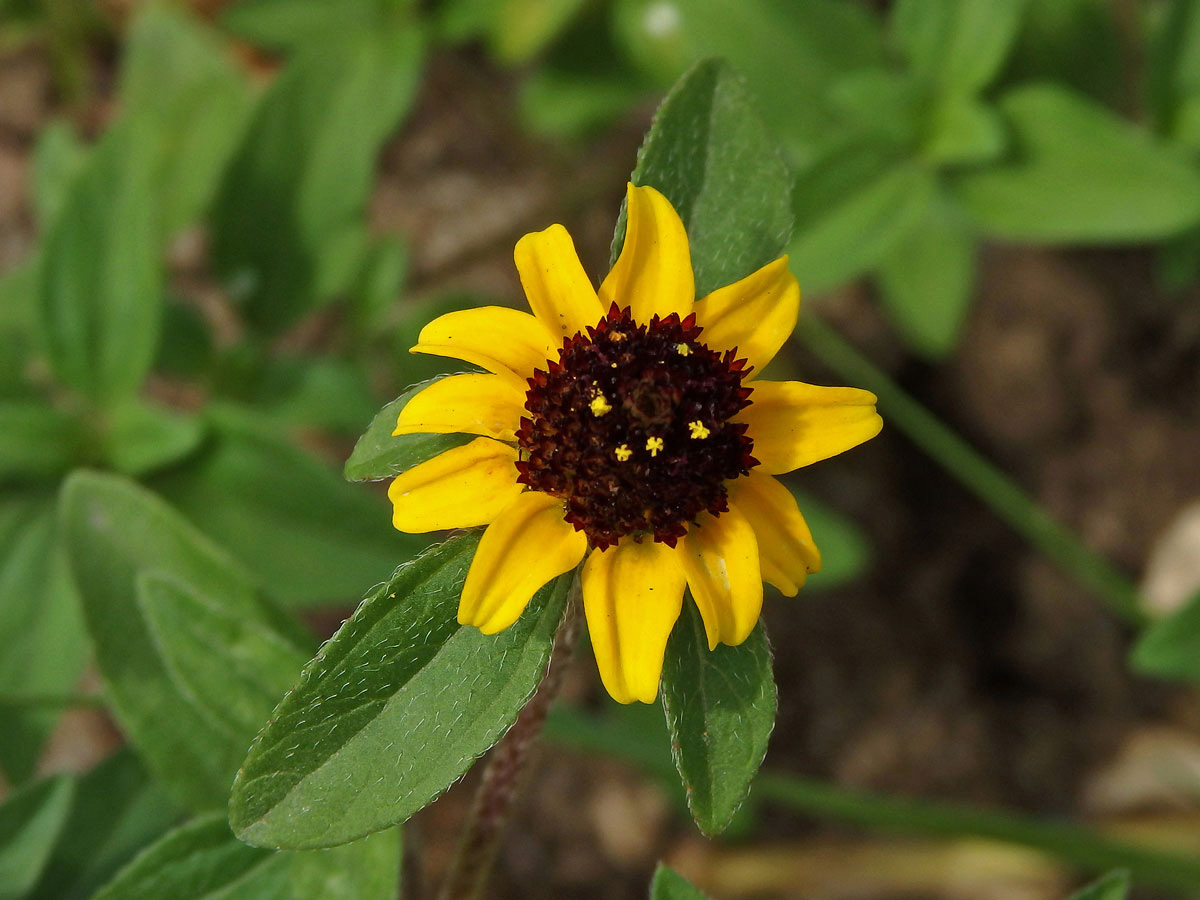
{"type": "Point", "coordinates": [116, 812]}
{"type": "Point", "coordinates": [720, 707]}
{"type": "Point", "coordinates": [1113, 886]}
{"type": "Point", "coordinates": [288, 223]}
{"type": "Point", "coordinates": [202, 860]}
{"type": "Point", "coordinates": [960, 45]}
{"type": "Point", "coordinates": [670, 885]}
{"type": "Point", "coordinates": [1170, 648]}
{"type": "Point", "coordinates": [43, 647]}
{"type": "Point", "coordinates": [308, 537]}
{"type": "Point", "coordinates": [232, 668]}
{"type": "Point", "coordinates": [712, 156]}
{"type": "Point", "coordinates": [1078, 173]}
{"type": "Point", "coordinates": [100, 277]}
{"type": "Point", "coordinates": [115, 531]}
{"type": "Point", "coordinates": [30, 822]}
{"type": "Point", "coordinates": [379, 454]}
{"type": "Point", "coordinates": [927, 279]}
{"type": "Point", "coordinates": [395, 707]}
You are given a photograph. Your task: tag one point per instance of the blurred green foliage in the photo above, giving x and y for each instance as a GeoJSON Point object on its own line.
{"type": "Point", "coordinates": [176, 564]}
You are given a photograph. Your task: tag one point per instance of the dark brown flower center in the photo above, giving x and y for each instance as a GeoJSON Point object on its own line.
{"type": "Point", "coordinates": [631, 427]}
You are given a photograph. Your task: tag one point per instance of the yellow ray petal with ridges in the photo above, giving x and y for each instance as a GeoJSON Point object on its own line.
{"type": "Point", "coordinates": [794, 424]}
{"type": "Point", "coordinates": [490, 405]}
{"type": "Point", "coordinates": [525, 546]}
{"type": "Point", "coordinates": [460, 488]}
{"type": "Point", "coordinates": [719, 555]}
{"type": "Point", "coordinates": [756, 314]}
{"type": "Point", "coordinates": [653, 274]}
{"type": "Point", "coordinates": [558, 289]}
{"type": "Point", "coordinates": [503, 341]}
{"type": "Point", "coordinates": [632, 595]}
{"type": "Point", "coordinates": [786, 552]}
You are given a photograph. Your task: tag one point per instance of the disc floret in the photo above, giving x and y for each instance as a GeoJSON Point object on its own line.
{"type": "Point", "coordinates": [632, 426]}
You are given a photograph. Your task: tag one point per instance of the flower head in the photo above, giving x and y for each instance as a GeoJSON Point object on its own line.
{"type": "Point", "coordinates": [625, 429]}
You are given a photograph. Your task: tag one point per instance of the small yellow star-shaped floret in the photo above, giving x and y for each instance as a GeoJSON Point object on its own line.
{"type": "Point", "coordinates": [623, 453]}
{"type": "Point", "coordinates": [654, 444]}
{"type": "Point", "coordinates": [698, 429]}
{"type": "Point", "coordinates": [600, 405]}
{"type": "Point", "coordinates": [683, 349]}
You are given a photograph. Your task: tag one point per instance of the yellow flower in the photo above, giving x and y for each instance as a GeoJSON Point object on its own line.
{"type": "Point", "coordinates": [588, 421]}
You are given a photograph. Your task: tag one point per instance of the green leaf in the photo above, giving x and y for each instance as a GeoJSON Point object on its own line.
{"type": "Point", "coordinates": [117, 810]}
{"type": "Point", "coordinates": [115, 531]}
{"type": "Point", "coordinates": [100, 281]}
{"type": "Point", "coordinates": [670, 885]}
{"type": "Point", "coordinates": [852, 209]}
{"type": "Point", "coordinates": [927, 279]}
{"type": "Point", "coordinates": [199, 861]}
{"type": "Point", "coordinates": [1174, 63]}
{"type": "Point", "coordinates": [288, 228]}
{"type": "Point", "coordinates": [379, 284]}
{"type": "Point", "coordinates": [790, 51]}
{"type": "Point", "coordinates": [293, 25]}
{"type": "Point", "coordinates": [1113, 886]}
{"type": "Point", "coordinates": [523, 28]}
{"type": "Point", "coordinates": [963, 131]}
{"type": "Point", "coordinates": [37, 442]}
{"type": "Point", "coordinates": [714, 159]}
{"type": "Point", "coordinates": [845, 550]}
{"type": "Point", "coordinates": [57, 158]}
{"type": "Point", "coordinates": [378, 454]}
{"type": "Point", "coordinates": [1079, 174]}
{"type": "Point", "coordinates": [395, 708]}
{"type": "Point", "coordinates": [141, 438]}
{"type": "Point", "coordinates": [1178, 261]}
{"type": "Point", "coordinates": [203, 861]}
{"type": "Point", "coordinates": [30, 821]}
{"type": "Point", "coordinates": [42, 642]}
{"type": "Point", "coordinates": [881, 103]}
{"type": "Point", "coordinates": [720, 707]}
{"type": "Point", "coordinates": [308, 536]}
{"type": "Point", "coordinates": [179, 75]}
{"type": "Point", "coordinates": [1170, 647]}
{"type": "Point", "coordinates": [960, 45]}
{"type": "Point", "coordinates": [231, 668]}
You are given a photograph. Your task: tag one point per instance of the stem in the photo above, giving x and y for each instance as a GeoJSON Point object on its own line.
{"type": "Point", "coordinates": [502, 776]}
{"type": "Point", "coordinates": [978, 475]}
{"type": "Point", "coordinates": [1080, 846]}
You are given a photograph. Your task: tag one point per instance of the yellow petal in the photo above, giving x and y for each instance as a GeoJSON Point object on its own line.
{"type": "Point", "coordinates": [490, 405]}
{"type": "Point", "coordinates": [524, 547]}
{"type": "Point", "coordinates": [460, 488]}
{"type": "Point", "coordinates": [558, 289]}
{"type": "Point", "coordinates": [794, 424]}
{"type": "Point", "coordinates": [720, 558]}
{"type": "Point", "coordinates": [786, 552]}
{"type": "Point", "coordinates": [632, 595]}
{"type": "Point", "coordinates": [503, 341]}
{"type": "Point", "coordinates": [653, 274]}
{"type": "Point", "coordinates": [756, 314]}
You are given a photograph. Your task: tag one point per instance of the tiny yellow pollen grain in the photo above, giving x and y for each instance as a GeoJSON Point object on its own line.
{"type": "Point", "coordinates": [600, 405]}
{"type": "Point", "coordinates": [698, 429]}
{"type": "Point", "coordinates": [654, 444]}
{"type": "Point", "coordinates": [623, 453]}
{"type": "Point", "coordinates": [683, 349]}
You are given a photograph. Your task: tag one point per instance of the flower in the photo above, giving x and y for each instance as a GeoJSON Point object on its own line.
{"type": "Point", "coordinates": [624, 429]}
